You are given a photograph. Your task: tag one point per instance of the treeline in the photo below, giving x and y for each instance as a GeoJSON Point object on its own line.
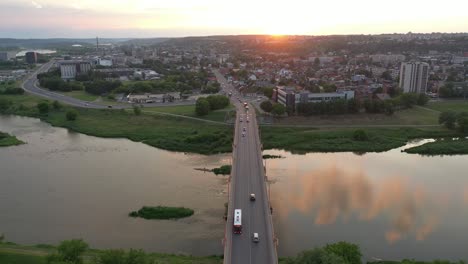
{"type": "Point", "coordinates": [52, 81]}
{"type": "Point", "coordinates": [450, 90]}
{"type": "Point", "coordinates": [454, 120]}
{"type": "Point", "coordinates": [352, 106]}
{"type": "Point", "coordinates": [204, 105]}
{"type": "Point", "coordinates": [10, 88]}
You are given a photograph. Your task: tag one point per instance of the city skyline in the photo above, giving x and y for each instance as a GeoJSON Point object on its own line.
{"type": "Point", "coordinates": [144, 18]}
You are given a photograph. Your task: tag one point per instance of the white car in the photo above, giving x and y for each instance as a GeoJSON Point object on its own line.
{"type": "Point", "coordinates": [255, 238]}
{"type": "Point", "coordinates": [243, 134]}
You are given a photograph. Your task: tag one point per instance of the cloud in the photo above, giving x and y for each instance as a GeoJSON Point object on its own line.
{"type": "Point", "coordinates": [36, 4]}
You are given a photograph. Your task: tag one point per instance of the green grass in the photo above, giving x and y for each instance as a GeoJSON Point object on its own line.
{"type": "Point", "coordinates": [170, 133]}
{"type": "Point", "coordinates": [302, 140]}
{"type": "Point", "coordinates": [412, 116]}
{"type": "Point", "coordinates": [162, 212]}
{"type": "Point", "coordinates": [20, 254]}
{"type": "Point", "coordinates": [81, 95]}
{"type": "Point", "coordinates": [445, 146]}
{"type": "Point", "coordinates": [8, 140]}
{"type": "Point", "coordinates": [449, 105]}
{"type": "Point", "coordinates": [189, 110]}
{"type": "Point", "coordinates": [19, 258]}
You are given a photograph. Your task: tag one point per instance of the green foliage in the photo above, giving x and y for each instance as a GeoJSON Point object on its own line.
{"type": "Point", "coordinates": [43, 107]}
{"type": "Point", "coordinates": [446, 146]}
{"type": "Point", "coordinates": [268, 92]}
{"type": "Point", "coordinates": [317, 256]}
{"type": "Point", "coordinates": [17, 258]}
{"type": "Point", "coordinates": [266, 106]}
{"type": "Point", "coordinates": [136, 110]}
{"type": "Point", "coordinates": [71, 115]}
{"type": "Point", "coordinates": [360, 135]}
{"type": "Point", "coordinates": [100, 87]}
{"type": "Point", "coordinates": [4, 104]}
{"type": "Point", "coordinates": [56, 105]}
{"type": "Point", "coordinates": [462, 121]}
{"type": "Point", "coordinates": [408, 99]}
{"type": "Point", "coordinates": [217, 102]}
{"type": "Point", "coordinates": [69, 251]}
{"type": "Point", "coordinates": [448, 119]}
{"type": "Point", "coordinates": [268, 156]}
{"type": "Point", "coordinates": [162, 212]}
{"type": "Point", "coordinates": [119, 256]}
{"type": "Point", "coordinates": [7, 140]}
{"type": "Point", "coordinates": [422, 99]}
{"type": "Point", "coordinates": [350, 253]}
{"type": "Point", "coordinates": [278, 109]}
{"type": "Point", "coordinates": [202, 106]}
{"type": "Point", "coordinates": [223, 170]}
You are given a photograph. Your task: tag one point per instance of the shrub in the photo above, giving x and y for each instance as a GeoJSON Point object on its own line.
{"type": "Point", "coordinates": [360, 135]}
{"type": "Point", "coordinates": [71, 115]}
{"type": "Point", "coordinates": [162, 212]}
{"type": "Point", "coordinates": [43, 107]}
{"type": "Point", "coordinates": [202, 107]}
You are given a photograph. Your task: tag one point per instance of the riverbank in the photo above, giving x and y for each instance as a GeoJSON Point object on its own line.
{"type": "Point", "coordinates": [189, 135]}
{"type": "Point", "coordinates": [7, 140]}
{"type": "Point", "coordinates": [165, 132]}
{"type": "Point", "coordinates": [19, 254]}
{"type": "Point", "coordinates": [303, 140]}
{"type": "Point", "coordinates": [446, 146]}
{"type": "Point", "coordinates": [162, 212]}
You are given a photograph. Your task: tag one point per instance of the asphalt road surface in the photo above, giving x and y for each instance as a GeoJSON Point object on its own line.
{"type": "Point", "coordinates": [248, 176]}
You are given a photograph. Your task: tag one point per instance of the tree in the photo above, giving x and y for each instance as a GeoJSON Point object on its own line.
{"type": "Point", "coordinates": [350, 253]}
{"type": "Point", "coordinates": [318, 256]}
{"type": "Point", "coordinates": [69, 251]}
{"type": "Point", "coordinates": [71, 115]}
{"type": "Point", "coordinates": [360, 135]}
{"type": "Point", "coordinates": [408, 99]}
{"type": "Point", "coordinates": [217, 101]}
{"type": "Point", "coordinates": [266, 106]}
{"type": "Point", "coordinates": [56, 105]}
{"type": "Point", "coordinates": [202, 106]}
{"type": "Point", "coordinates": [4, 104]}
{"type": "Point", "coordinates": [462, 121]}
{"type": "Point", "coordinates": [43, 107]}
{"type": "Point", "coordinates": [268, 92]}
{"type": "Point", "coordinates": [389, 107]}
{"type": "Point", "coordinates": [353, 106]}
{"type": "Point", "coordinates": [448, 119]}
{"type": "Point", "coordinates": [278, 110]}
{"type": "Point", "coordinates": [422, 99]}
{"type": "Point", "coordinates": [119, 256]}
{"type": "Point", "coordinates": [136, 110]}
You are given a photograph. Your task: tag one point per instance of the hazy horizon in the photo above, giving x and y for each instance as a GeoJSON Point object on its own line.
{"type": "Point", "coordinates": [179, 18]}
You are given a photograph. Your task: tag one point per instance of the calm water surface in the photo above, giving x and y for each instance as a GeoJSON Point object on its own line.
{"type": "Point", "coordinates": [63, 185]}
{"type": "Point", "coordinates": [394, 205]}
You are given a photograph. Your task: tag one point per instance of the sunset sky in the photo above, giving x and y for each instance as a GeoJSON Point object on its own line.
{"type": "Point", "coordinates": [169, 18]}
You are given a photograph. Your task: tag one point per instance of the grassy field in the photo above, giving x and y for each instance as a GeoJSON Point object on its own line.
{"type": "Point", "coordinates": [170, 133]}
{"type": "Point", "coordinates": [302, 140]}
{"type": "Point", "coordinates": [17, 254]}
{"type": "Point", "coordinates": [162, 212]}
{"type": "Point", "coordinates": [412, 116]}
{"type": "Point", "coordinates": [8, 140]}
{"type": "Point", "coordinates": [455, 105]}
{"type": "Point", "coordinates": [445, 146]}
{"type": "Point", "coordinates": [189, 110]}
{"type": "Point", "coordinates": [81, 95]}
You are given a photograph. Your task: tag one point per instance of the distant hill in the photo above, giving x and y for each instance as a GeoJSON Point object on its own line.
{"type": "Point", "coordinates": [55, 42]}
{"type": "Point", "coordinates": [144, 41]}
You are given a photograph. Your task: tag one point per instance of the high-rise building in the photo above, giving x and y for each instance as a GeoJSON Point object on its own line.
{"type": "Point", "coordinates": [7, 55]}
{"type": "Point", "coordinates": [69, 69]}
{"type": "Point", "coordinates": [414, 77]}
{"type": "Point", "coordinates": [31, 57]}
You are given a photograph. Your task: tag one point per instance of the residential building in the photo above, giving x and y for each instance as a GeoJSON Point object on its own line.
{"type": "Point", "coordinates": [414, 77]}
{"type": "Point", "coordinates": [7, 55]}
{"type": "Point", "coordinates": [31, 57]}
{"type": "Point", "coordinates": [69, 69]}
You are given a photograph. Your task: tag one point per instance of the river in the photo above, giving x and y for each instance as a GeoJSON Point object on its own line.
{"type": "Point", "coordinates": [63, 185]}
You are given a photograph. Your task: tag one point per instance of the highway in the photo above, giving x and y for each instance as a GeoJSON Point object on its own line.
{"type": "Point", "coordinates": [30, 85]}
{"type": "Point", "coordinates": [248, 176]}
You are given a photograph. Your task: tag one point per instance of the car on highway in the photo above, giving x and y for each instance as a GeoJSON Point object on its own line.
{"type": "Point", "coordinates": [243, 134]}
{"type": "Point", "coordinates": [240, 119]}
{"type": "Point", "coordinates": [255, 238]}
{"type": "Point", "coordinates": [244, 129]}
{"type": "Point", "coordinates": [247, 120]}
{"type": "Point", "coordinates": [109, 106]}
{"type": "Point", "coordinates": [252, 197]}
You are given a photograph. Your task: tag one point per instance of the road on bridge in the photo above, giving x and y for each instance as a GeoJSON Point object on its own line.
{"type": "Point", "coordinates": [247, 177]}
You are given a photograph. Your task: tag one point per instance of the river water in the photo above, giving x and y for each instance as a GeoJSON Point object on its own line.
{"type": "Point", "coordinates": [63, 185]}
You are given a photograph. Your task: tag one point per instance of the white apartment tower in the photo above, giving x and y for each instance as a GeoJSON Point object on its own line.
{"type": "Point", "coordinates": [414, 77]}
